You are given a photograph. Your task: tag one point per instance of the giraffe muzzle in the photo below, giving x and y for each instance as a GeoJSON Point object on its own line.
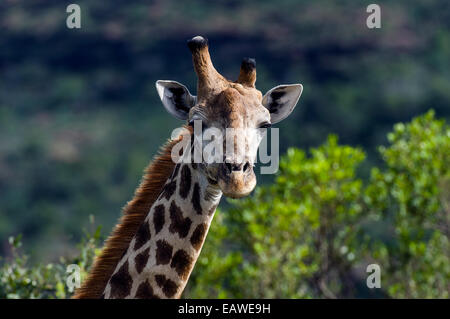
{"type": "Point", "coordinates": [236, 179]}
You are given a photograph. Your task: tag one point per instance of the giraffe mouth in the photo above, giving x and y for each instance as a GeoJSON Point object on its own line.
{"type": "Point", "coordinates": [236, 184]}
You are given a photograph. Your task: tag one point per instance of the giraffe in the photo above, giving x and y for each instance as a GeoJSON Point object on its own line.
{"type": "Point", "coordinates": [152, 250]}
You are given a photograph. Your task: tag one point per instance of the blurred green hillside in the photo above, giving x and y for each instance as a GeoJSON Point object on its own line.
{"type": "Point", "coordinates": [80, 117]}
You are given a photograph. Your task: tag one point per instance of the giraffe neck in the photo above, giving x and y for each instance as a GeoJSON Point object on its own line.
{"type": "Point", "coordinates": [162, 254]}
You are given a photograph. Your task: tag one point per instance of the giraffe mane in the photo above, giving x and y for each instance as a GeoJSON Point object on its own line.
{"type": "Point", "coordinates": [133, 215]}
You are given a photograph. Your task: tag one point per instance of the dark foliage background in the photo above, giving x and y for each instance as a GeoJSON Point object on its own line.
{"type": "Point", "coordinates": [80, 117]}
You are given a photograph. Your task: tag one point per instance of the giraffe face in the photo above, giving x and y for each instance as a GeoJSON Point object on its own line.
{"type": "Point", "coordinates": [236, 111]}
{"type": "Point", "coordinates": [235, 119]}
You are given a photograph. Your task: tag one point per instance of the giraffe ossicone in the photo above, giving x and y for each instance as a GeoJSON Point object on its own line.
{"type": "Point", "coordinates": [154, 247]}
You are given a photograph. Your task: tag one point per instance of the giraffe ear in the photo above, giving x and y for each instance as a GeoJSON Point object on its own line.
{"type": "Point", "coordinates": [281, 101]}
{"type": "Point", "coordinates": [176, 98]}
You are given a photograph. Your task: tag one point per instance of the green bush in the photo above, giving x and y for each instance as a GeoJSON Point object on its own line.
{"type": "Point", "coordinates": [18, 279]}
{"type": "Point", "coordinates": [412, 193]}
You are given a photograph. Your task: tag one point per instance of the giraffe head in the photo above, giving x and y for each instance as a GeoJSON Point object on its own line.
{"type": "Point", "coordinates": [236, 109]}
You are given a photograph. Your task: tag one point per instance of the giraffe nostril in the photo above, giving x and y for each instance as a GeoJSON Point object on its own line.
{"type": "Point", "coordinates": [231, 167]}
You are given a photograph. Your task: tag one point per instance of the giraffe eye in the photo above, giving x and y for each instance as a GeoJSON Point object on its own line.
{"type": "Point", "coordinates": [265, 125]}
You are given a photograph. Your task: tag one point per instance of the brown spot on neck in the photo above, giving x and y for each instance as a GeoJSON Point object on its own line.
{"type": "Point", "coordinates": [179, 224]}
{"type": "Point", "coordinates": [141, 260]}
{"type": "Point", "coordinates": [196, 199]}
{"type": "Point", "coordinates": [163, 252]}
{"type": "Point", "coordinates": [159, 218]}
{"type": "Point", "coordinates": [182, 263]}
{"type": "Point", "coordinates": [168, 286]}
{"type": "Point", "coordinates": [121, 283]}
{"type": "Point", "coordinates": [142, 235]}
{"type": "Point", "coordinates": [145, 291]}
{"type": "Point", "coordinates": [198, 236]}
{"type": "Point", "coordinates": [185, 182]}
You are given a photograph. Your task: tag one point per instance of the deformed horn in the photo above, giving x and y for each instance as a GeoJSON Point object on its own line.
{"type": "Point", "coordinates": [247, 75]}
